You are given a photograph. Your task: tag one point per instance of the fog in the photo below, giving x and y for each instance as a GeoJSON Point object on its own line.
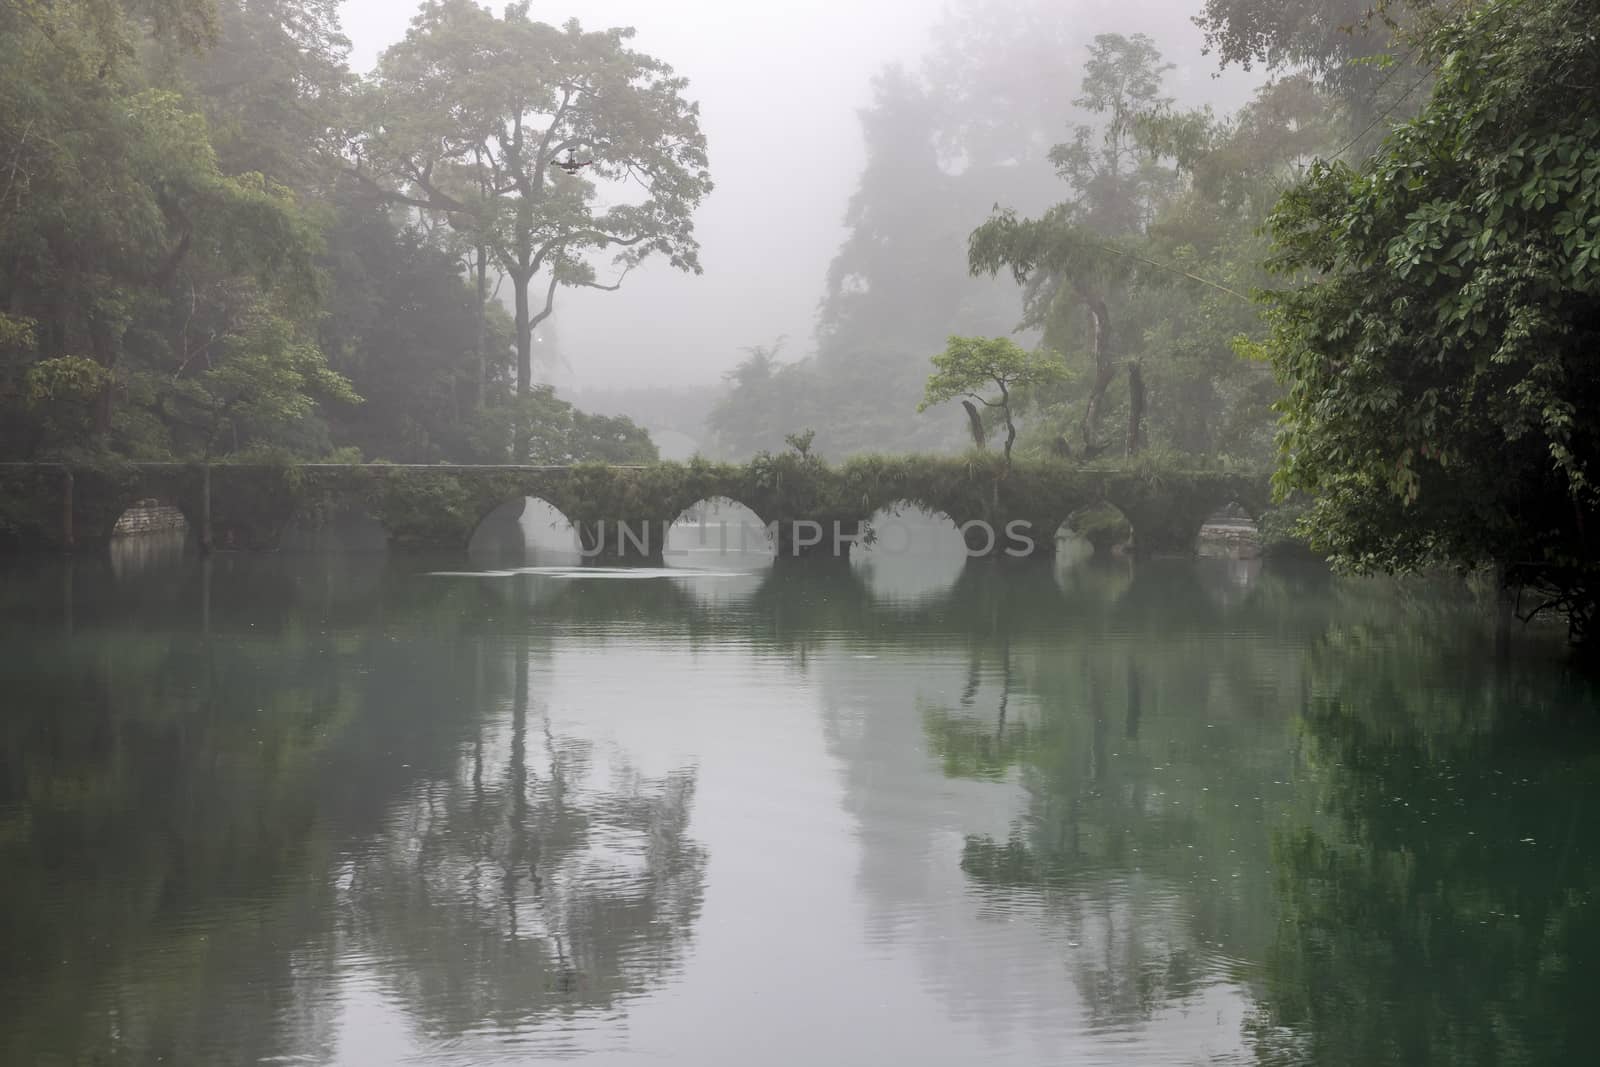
{"type": "Point", "coordinates": [779, 84]}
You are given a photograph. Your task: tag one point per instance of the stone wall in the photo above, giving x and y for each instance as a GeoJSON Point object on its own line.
{"type": "Point", "coordinates": [149, 516]}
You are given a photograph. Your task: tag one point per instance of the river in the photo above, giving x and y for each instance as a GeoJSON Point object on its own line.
{"type": "Point", "coordinates": [369, 808]}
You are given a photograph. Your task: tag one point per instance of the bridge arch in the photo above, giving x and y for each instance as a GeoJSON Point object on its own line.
{"type": "Point", "coordinates": [150, 531]}
{"type": "Point", "coordinates": [150, 515]}
{"type": "Point", "coordinates": [1233, 530]}
{"type": "Point", "coordinates": [717, 531]}
{"type": "Point", "coordinates": [523, 526]}
{"type": "Point", "coordinates": [910, 553]}
{"type": "Point", "coordinates": [1168, 510]}
{"type": "Point", "coordinates": [911, 527]}
{"type": "Point", "coordinates": [1101, 527]}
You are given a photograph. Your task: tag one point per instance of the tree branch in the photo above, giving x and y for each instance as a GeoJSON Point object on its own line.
{"type": "Point", "coordinates": [549, 303]}
{"type": "Point", "coordinates": [545, 152]}
{"type": "Point", "coordinates": [387, 193]}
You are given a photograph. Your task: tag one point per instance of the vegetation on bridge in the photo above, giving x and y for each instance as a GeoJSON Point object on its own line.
{"type": "Point", "coordinates": [249, 506]}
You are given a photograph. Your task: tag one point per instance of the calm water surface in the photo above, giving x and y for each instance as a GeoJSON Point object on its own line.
{"type": "Point", "coordinates": [370, 809]}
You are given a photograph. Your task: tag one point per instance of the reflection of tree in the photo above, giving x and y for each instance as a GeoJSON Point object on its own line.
{"type": "Point", "coordinates": [555, 882]}
{"type": "Point", "coordinates": [175, 779]}
{"type": "Point", "coordinates": [1446, 915]}
{"type": "Point", "coordinates": [1148, 755]}
{"type": "Point", "coordinates": [973, 748]}
{"type": "Point", "coordinates": [1140, 830]}
{"type": "Point", "coordinates": [152, 794]}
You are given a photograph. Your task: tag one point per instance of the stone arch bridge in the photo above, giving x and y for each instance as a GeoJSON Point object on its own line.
{"type": "Point", "coordinates": [811, 509]}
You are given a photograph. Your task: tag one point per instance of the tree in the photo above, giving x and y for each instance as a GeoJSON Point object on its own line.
{"type": "Point", "coordinates": [1438, 344]}
{"type": "Point", "coordinates": [273, 87]}
{"type": "Point", "coordinates": [1347, 46]}
{"type": "Point", "coordinates": [404, 326]}
{"type": "Point", "coordinates": [489, 123]}
{"type": "Point", "coordinates": [970, 365]}
{"type": "Point", "coordinates": [540, 427]}
{"type": "Point", "coordinates": [766, 399]}
{"type": "Point", "coordinates": [1205, 252]}
{"type": "Point", "coordinates": [126, 244]}
{"type": "Point", "coordinates": [1062, 258]}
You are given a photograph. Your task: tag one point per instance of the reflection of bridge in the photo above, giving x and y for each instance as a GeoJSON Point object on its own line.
{"type": "Point", "coordinates": [811, 509]}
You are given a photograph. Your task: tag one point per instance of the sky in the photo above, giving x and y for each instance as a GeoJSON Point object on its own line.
{"type": "Point", "coordinates": [779, 83]}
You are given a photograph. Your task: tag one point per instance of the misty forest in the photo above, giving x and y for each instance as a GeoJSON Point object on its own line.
{"type": "Point", "coordinates": [1376, 275]}
{"type": "Point", "coordinates": [799, 532]}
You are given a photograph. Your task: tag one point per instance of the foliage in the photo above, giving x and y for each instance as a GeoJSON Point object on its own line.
{"type": "Point", "coordinates": [765, 400]}
{"type": "Point", "coordinates": [1146, 266]}
{"type": "Point", "coordinates": [404, 327]}
{"type": "Point", "coordinates": [1437, 348]}
{"type": "Point", "coordinates": [970, 365]}
{"type": "Point", "coordinates": [1062, 259]}
{"type": "Point", "coordinates": [555, 433]}
{"type": "Point", "coordinates": [183, 273]}
{"type": "Point", "coordinates": [1346, 45]}
{"type": "Point", "coordinates": [473, 119]}
{"type": "Point", "coordinates": [126, 242]}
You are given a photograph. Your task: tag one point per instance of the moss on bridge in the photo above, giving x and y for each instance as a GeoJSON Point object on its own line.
{"type": "Point", "coordinates": [620, 511]}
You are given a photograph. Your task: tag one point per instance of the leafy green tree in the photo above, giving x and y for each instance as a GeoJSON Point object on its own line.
{"type": "Point", "coordinates": [1209, 244]}
{"type": "Point", "coordinates": [1117, 185]}
{"type": "Point", "coordinates": [766, 398]}
{"type": "Point", "coordinates": [1437, 349]}
{"type": "Point", "coordinates": [126, 242]}
{"type": "Point", "coordinates": [1348, 46]}
{"type": "Point", "coordinates": [404, 327]}
{"type": "Point", "coordinates": [1061, 258]}
{"type": "Point", "coordinates": [273, 87]}
{"type": "Point", "coordinates": [969, 366]}
{"type": "Point", "coordinates": [491, 123]}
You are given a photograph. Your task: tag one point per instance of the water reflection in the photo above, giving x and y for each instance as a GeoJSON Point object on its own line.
{"type": "Point", "coordinates": [268, 788]}
{"type": "Point", "coordinates": [348, 809]}
{"type": "Point", "coordinates": [538, 878]}
{"type": "Point", "coordinates": [1443, 908]}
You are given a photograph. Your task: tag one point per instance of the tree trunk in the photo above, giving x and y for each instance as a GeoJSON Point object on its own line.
{"type": "Point", "coordinates": [1104, 370]}
{"type": "Point", "coordinates": [1136, 401]}
{"type": "Point", "coordinates": [1011, 427]}
{"type": "Point", "coordinates": [524, 334]}
{"type": "Point", "coordinates": [980, 438]}
{"type": "Point", "coordinates": [481, 340]}
{"type": "Point", "coordinates": [520, 281]}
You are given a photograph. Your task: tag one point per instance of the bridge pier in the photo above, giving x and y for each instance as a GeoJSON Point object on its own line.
{"type": "Point", "coordinates": [622, 541]}
{"type": "Point", "coordinates": [1008, 537]}
{"type": "Point", "coordinates": [69, 535]}
{"type": "Point", "coordinates": [825, 540]}
{"type": "Point", "coordinates": [1166, 532]}
{"type": "Point", "coordinates": [205, 511]}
